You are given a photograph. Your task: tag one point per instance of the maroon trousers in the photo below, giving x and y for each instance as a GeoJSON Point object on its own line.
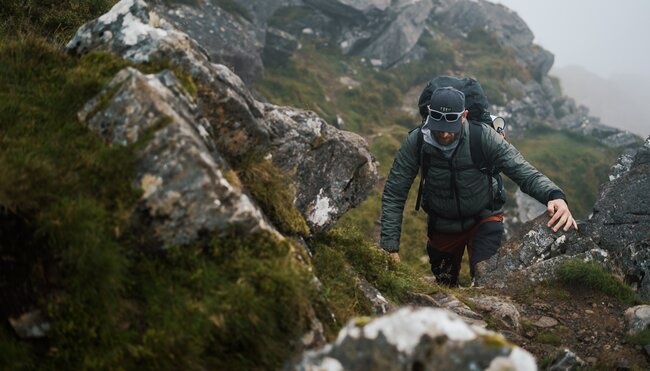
{"type": "Point", "coordinates": [482, 241]}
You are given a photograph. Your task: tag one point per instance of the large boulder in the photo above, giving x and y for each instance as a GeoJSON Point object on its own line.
{"type": "Point", "coordinates": [333, 169]}
{"type": "Point", "coordinates": [416, 339]}
{"type": "Point", "coordinates": [399, 36]}
{"type": "Point", "coordinates": [187, 190]}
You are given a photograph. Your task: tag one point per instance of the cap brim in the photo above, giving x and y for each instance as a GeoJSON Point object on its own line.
{"type": "Point", "coordinates": [442, 125]}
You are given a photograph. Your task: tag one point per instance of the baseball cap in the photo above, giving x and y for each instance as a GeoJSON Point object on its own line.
{"type": "Point", "coordinates": [446, 104]}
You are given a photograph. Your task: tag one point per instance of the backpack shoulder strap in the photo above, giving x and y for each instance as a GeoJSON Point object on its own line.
{"type": "Point", "coordinates": [423, 163]}
{"type": "Point", "coordinates": [479, 159]}
{"type": "Point", "coordinates": [475, 146]}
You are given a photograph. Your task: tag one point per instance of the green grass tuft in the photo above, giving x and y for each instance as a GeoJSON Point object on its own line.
{"type": "Point", "coordinates": [591, 275]}
{"type": "Point", "coordinates": [548, 338]}
{"type": "Point", "coordinates": [642, 338]}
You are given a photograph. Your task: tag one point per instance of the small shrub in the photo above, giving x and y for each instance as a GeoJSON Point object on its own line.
{"type": "Point", "coordinates": [548, 338]}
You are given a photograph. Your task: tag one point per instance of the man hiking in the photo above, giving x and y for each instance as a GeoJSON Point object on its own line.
{"type": "Point", "coordinates": [463, 208]}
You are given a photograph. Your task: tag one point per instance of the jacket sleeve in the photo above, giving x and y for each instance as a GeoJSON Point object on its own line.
{"type": "Point", "coordinates": [396, 190]}
{"type": "Point", "coordinates": [510, 161]}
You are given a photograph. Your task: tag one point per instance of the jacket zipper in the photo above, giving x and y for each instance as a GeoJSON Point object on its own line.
{"type": "Point", "coordinates": [454, 184]}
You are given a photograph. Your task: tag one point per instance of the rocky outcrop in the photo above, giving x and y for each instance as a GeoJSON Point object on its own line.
{"type": "Point", "coordinates": [621, 220]}
{"type": "Point", "coordinates": [458, 18]}
{"type": "Point", "coordinates": [333, 169]}
{"type": "Point", "coordinates": [225, 34]}
{"type": "Point", "coordinates": [416, 339]}
{"type": "Point", "coordinates": [397, 36]}
{"type": "Point", "coordinates": [616, 236]}
{"type": "Point", "coordinates": [186, 190]}
{"type": "Point", "coordinates": [382, 31]}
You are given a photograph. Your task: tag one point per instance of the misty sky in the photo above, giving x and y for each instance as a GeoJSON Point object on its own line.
{"type": "Point", "coordinates": [606, 37]}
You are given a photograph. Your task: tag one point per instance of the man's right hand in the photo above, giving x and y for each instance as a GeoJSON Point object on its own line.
{"type": "Point", "coordinates": [395, 256]}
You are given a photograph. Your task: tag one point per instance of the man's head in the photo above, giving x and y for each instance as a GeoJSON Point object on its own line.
{"type": "Point", "coordinates": [446, 114]}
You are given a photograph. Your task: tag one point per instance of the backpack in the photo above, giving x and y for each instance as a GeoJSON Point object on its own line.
{"type": "Point", "coordinates": [477, 105]}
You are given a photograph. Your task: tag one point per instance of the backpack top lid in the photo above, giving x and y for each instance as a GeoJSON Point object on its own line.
{"type": "Point", "coordinates": [475, 100]}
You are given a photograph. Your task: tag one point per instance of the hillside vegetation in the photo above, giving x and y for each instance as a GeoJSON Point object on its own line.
{"type": "Point", "coordinates": [70, 248]}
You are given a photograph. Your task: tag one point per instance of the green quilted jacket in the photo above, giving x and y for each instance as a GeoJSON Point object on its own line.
{"type": "Point", "coordinates": [456, 194]}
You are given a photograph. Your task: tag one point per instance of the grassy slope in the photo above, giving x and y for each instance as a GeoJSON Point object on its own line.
{"type": "Point", "coordinates": [69, 247]}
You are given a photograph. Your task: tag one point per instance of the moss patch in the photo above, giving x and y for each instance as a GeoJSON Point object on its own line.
{"type": "Point", "coordinates": [273, 189]}
{"type": "Point", "coordinates": [591, 275]}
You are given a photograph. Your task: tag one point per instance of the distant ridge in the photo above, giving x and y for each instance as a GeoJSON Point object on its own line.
{"type": "Point", "coordinates": [618, 101]}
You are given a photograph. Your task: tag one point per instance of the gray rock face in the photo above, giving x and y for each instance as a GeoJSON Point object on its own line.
{"type": "Point", "coordinates": [226, 37]}
{"type": "Point", "coordinates": [423, 338]}
{"type": "Point", "coordinates": [617, 235]}
{"type": "Point", "coordinates": [380, 304]}
{"type": "Point", "coordinates": [458, 18]}
{"type": "Point", "coordinates": [186, 191]}
{"type": "Point", "coordinates": [383, 31]}
{"type": "Point", "coordinates": [352, 9]}
{"type": "Point", "coordinates": [399, 36]}
{"type": "Point", "coordinates": [279, 47]}
{"type": "Point", "coordinates": [621, 220]}
{"type": "Point", "coordinates": [566, 360]}
{"type": "Point", "coordinates": [334, 170]}
{"type": "Point", "coordinates": [536, 255]}
{"type": "Point", "coordinates": [622, 213]}
{"type": "Point", "coordinates": [450, 303]}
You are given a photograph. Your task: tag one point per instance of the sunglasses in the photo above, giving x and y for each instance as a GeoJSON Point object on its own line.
{"type": "Point", "coordinates": [449, 116]}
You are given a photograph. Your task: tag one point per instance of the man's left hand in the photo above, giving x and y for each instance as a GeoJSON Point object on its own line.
{"type": "Point", "coordinates": [560, 215]}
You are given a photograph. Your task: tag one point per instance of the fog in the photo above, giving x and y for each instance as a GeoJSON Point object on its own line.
{"type": "Point", "coordinates": [602, 53]}
{"type": "Point", "coordinates": [607, 37]}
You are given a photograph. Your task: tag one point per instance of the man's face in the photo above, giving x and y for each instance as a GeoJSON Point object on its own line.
{"type": "Point", "coordinates": [445, 138]}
